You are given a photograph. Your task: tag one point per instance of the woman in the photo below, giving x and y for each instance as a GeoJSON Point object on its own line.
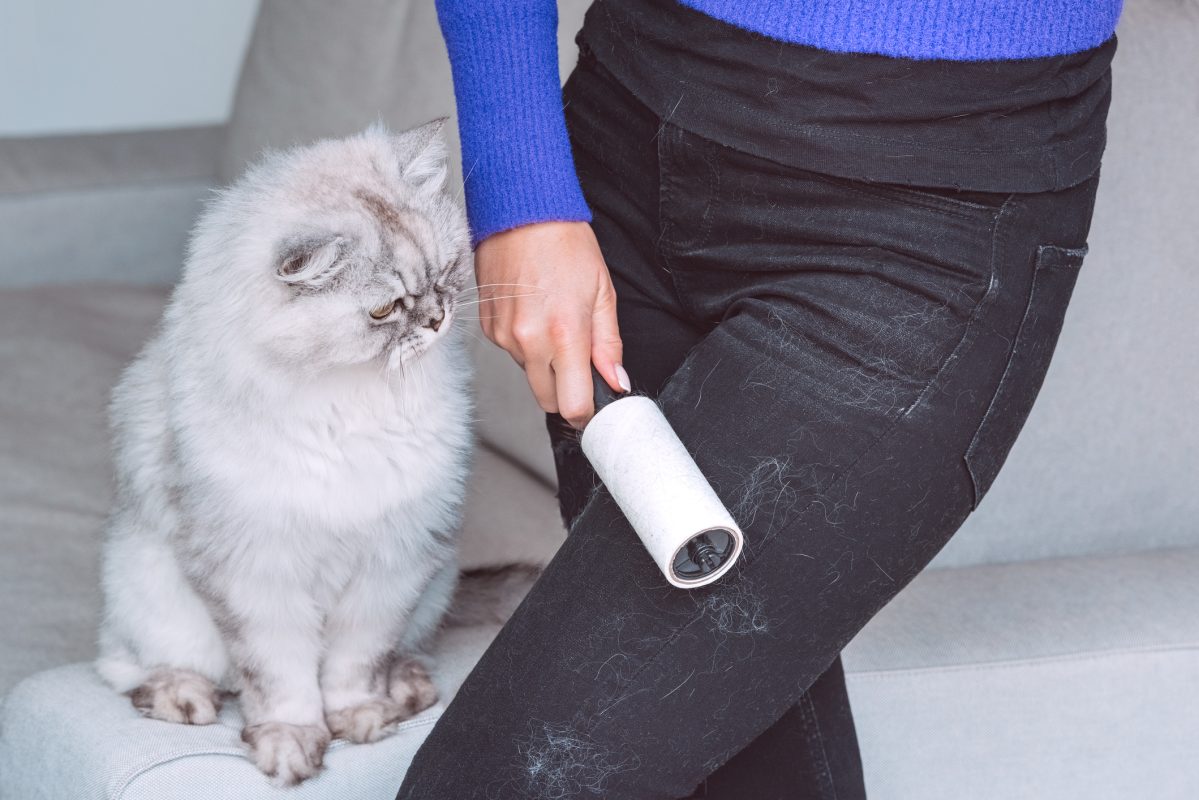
{"type": "Point", "coordinates": [836, 241]}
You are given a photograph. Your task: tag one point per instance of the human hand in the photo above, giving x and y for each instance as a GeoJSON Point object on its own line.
{"type": "Point", "coordinates": [545, 297]}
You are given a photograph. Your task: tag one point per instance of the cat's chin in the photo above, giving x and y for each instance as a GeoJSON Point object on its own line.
{"type": "Point", "coordinates": [404, 353]}
{"type": "Point", "coordinates": [395, 359]}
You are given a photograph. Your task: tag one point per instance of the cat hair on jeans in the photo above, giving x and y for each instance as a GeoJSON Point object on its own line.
{"type": "Point", "coordinates": [292, 448]}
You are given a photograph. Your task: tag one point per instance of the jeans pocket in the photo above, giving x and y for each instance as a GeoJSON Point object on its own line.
{"type": "Point", "coordinates": [934, 198]}
{"type": "Point", "coordinates": [1052, 284]}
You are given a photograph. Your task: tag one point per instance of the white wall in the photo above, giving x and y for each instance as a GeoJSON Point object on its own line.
{"type": "Point", "coordinates": [70, 66]}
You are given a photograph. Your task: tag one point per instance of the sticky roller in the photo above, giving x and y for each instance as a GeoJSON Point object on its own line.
{"type": "Point", "coordinates": [658, 486]}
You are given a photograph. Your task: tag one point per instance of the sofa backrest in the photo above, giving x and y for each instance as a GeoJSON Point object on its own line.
{"type": "Point", "coordinates": [1107, 461]}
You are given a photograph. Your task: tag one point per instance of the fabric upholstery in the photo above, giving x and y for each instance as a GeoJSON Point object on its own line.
{"type": "Point", "coordinates": [1074, 677]}
{"type": "Point", "coordinates": [112, 207]}
{"type": "Point", "coordinates": [49, 163]}
{"type": "Point", "coordinates": [67, 735]}
{"type": "Point", "coordinates": [134, 233]}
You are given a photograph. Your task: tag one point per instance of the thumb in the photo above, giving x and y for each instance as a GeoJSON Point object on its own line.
{"type": "Point", "coordinates": [607, 349]}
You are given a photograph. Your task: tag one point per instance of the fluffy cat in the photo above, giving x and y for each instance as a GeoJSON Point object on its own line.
{"type": "Point", "coordinates": [291, 452]}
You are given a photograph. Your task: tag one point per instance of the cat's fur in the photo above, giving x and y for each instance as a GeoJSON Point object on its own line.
{"type": "Point", "coordinates": [290, 471]}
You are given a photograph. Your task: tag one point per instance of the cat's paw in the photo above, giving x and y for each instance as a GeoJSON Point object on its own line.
{"type": "Point", "coordinates": [409, 684]}
{"type": "Point", "coordinates": [177, 695]}
{"type": "Point", "coordinates": [367, 722]}
{"type": "Point", "coordinates": [287, 754]}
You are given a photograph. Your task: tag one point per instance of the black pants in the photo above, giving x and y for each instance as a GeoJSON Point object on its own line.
{"type": "Point", "coordinates": [849, 363]}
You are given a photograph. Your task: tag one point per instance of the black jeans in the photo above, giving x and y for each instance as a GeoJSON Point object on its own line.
{"type": "Point", "coordinates": [849, 363]}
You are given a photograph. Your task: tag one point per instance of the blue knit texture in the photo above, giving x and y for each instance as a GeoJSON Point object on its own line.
{"type": "Point", "coordinates": [515, 151]}
{"type": "Point", "coordinates": [504, 55]}
{"type": "Point", "coordinates": [959, 30]}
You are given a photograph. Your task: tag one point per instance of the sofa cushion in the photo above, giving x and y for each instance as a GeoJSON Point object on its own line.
{"type": "Point", "coordinates": [1075, 677]}
{"type": "Point", "coordinates": [61, 350]}
{"type": "Point", "coordinates": [64, 734]}
{"type": "Point", "coordinates": [1031, 680]}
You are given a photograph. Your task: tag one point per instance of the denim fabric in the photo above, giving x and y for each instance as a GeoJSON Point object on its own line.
{"type": "Point", "coordinates": [1026, 125]}
{"type": "Point", "coordinates": [849, 363]}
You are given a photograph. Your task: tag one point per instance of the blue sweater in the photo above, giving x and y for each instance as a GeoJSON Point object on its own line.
{"type": "Point", "coordinates": [504, 56]}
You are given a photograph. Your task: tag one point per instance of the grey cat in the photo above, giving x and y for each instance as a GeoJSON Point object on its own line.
{"type": "Point", "coordinates": [292, 449]}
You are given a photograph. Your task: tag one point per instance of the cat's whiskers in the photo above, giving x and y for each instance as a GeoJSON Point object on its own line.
{"type": "Point", "coordinates": [485, 316]}
{"type": "Point", "coordinates": [460, 303]}
{"type": "Point", "coordinates": [460, 188]}
{"type": "Point", "coordinates": [489, 285]}
{"type": "Point", "coordinates": [469, 332]}
{"type": "Point", "coordinates": [385, 369]}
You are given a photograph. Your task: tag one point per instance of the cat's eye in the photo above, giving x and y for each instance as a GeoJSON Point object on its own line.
{"type": "Point", "coordinates": [383, 311]}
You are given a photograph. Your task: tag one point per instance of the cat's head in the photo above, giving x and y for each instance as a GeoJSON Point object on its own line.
{"type": "Point", "coordinates": [347, 251]}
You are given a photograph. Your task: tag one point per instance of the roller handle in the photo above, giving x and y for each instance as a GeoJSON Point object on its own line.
{"type": "Point", "coordinates": [601, 391]}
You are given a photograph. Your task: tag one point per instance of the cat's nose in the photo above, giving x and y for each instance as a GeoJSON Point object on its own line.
{"type": "Point", "coordinates": [436, 320]}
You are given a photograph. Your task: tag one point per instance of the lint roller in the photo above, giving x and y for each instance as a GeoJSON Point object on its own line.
{"type": "Point", "coordinates": [653, 479]}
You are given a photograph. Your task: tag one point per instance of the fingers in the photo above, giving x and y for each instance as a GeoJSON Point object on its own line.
{"type": "Point", "coordinates": [558, 368]}
{"type": "Point", "coordinates": [572, 379]}
{"type": "Point", "coordinates": [543, 383]}
{"type": "Point", "coordinates": [607, 349]}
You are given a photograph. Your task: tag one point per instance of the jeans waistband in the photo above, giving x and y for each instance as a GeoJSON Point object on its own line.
{"type": "Point", "coordinates": [1025, 125]}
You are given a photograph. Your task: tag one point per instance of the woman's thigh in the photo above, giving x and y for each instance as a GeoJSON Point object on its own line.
{"type": "Point", "coordinates": [870, 354]}
{"type": "Point", "coordinates": [811, 751]}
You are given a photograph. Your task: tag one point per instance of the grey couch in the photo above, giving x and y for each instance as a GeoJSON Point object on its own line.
{"type": "Point", "coordinates": [1052, 651]}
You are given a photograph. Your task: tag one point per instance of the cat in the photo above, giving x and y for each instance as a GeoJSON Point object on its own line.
{"type": "Point", "coordinates": [291, 451]}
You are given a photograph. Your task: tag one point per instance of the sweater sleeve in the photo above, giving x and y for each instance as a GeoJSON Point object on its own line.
{"type": "Point", "coordinates": [516, 155]}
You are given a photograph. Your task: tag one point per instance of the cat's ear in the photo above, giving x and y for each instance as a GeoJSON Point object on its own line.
{"type": "Point", "coordinates": [424, 157]}
{"type": "Point", "coordinates": [310, 260]}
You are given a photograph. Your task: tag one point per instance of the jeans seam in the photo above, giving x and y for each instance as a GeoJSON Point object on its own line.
{"type": "Point", "coordinates": [664, 153]}
{"type": "Point", "coordinates": [750, 556]}
{"type": "Point", "coordinates": [969, 457]}
{"type": "Point", "coordinates": [985, 301]}
{"type": "Point", "coordinates": [1036, 287]}
{"type": "Point", "coordinates": [808, 709]}
{"type": "Point", "coordinates": [959, 209]}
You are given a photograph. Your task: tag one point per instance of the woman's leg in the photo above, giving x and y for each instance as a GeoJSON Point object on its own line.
{"type": "Point", "coordinates": [847, 479]}
{"type": "Point", "coordinates": [868, 356]}
{"type": "Point", "coordinates": [812, 750]}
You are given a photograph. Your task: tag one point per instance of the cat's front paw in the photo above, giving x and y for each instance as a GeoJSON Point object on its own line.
{"type": "Point", "coordinates": [177, 695]}
{"type": "Point", "coordinates": [369, 721]}
{"type": "Point", "coordinates": [408, 682]}
{"type": "Point", "coordinates": [287, 754]}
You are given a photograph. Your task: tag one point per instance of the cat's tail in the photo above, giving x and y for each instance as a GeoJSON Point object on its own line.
{"type": "Point", "coordinates": [488, 596]}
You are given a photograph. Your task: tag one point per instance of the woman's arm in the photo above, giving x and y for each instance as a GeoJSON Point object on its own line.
{"type": "Point", "coordinates": [549, 298]}
{"type": "Point", "coordinates": [515, 152]}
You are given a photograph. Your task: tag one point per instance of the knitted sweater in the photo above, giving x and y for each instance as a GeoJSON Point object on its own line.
{"type": "Point", "coordinates": [504, 57]}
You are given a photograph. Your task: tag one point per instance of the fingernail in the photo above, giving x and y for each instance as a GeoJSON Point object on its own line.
{"type": "Point", "coordinates": [622, 378]}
